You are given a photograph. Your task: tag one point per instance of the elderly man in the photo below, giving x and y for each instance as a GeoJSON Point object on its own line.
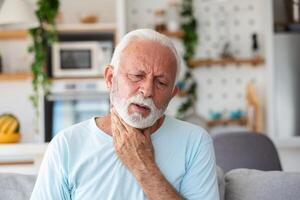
{"type": "Point", "coordinates": [136, 152]}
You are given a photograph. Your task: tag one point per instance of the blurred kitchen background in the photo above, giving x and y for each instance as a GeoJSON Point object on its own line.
{"type": "Point", "coordinates": [243, 71]}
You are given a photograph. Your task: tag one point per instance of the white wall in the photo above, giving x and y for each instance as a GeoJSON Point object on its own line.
{"type": "Point", "coordinates": [15, 57]}
{"type": "Point", "coordinates": [72, 10]}
{"type": "Point", "coordinates": [220, 89]}
{"type": "Point", "coordinates": [14, 98]}
{"type": "Point", "coordinates": [289, 151]}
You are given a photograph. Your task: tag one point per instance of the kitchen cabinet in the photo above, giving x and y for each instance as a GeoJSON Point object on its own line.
{"type": "Point", "coordinates": [24, 158]}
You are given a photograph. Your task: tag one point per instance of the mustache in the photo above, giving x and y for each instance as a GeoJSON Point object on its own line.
{"type": "Point", "coordinates": [136, 99]}
{"type": "Point", "coordinates": [140, 100]}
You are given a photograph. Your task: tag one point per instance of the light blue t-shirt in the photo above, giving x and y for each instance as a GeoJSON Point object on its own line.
{"type": "Point", "coordinates": [80, 163]}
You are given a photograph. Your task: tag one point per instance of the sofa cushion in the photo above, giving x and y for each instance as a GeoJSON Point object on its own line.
{"type": "Point", "coordinates": [19, 187]}
{"type": "Point", "coordinates": [246, 184]}
{"type": "Point", "coordinates": [16, 186]}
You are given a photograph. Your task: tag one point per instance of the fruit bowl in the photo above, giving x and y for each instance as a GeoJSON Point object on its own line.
{"type": "Point", "coordinates": [9, 138]}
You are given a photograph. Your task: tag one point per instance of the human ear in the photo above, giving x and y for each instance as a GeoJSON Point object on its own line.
{"type": "Point", "coordinates": [108, 75]}
{"type": "Point", "coordinates": [175, 91]}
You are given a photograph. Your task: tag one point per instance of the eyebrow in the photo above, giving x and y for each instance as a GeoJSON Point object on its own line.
{"type": "Point", "coordinates": [160, 76]}
{"type": "Point", "coordinates": [140, 71]}
{"type": "Point", "coordinates": [163, 75]}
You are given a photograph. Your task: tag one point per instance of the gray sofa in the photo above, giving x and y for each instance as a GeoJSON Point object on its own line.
{"type": "Point", "coordinates": [250, 184]}
{"type": "Point", "coordinates": [16, 186]}
{"type": "Point", "coordinates": [238, 184]}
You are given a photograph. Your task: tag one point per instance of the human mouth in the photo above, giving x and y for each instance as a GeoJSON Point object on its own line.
{"type": "Point", "coordinates": [141, 107]}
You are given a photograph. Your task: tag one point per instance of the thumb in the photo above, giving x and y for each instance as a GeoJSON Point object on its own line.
{"type": "Point", "coordinates": [147, 133]}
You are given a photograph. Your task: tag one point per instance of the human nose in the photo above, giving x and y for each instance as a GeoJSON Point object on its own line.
{"type": "Point", "coordinates": [146, 88]}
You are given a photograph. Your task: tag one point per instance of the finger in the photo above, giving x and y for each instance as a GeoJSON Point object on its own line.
{"type": "Point", "coordinates": [117, 130]}
{"type": "Point", "coordinates": [116, 125]}
{"type": "Point", "coordinates": [119, 140]}
{"type": "Point", "coordinates": [118, 121]}
{"type": "Point", "coordinates": [116, 135]}
{"type": "Point", "coordinates": [129, 128]}
{"type": "Point", "coordinates": [147, 134]}
{"type": "Point", "coordinates": [126, 129]}
{"type": "Point", "coordinates": [112, 111]}
{"type": "Point", "coordinates": [114, 114]}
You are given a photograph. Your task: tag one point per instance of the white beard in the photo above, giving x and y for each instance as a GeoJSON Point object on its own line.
{"type": "Point", "coordinates": [135, 119]}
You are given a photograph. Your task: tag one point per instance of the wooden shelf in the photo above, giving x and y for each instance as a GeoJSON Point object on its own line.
{"type": "Point", "coordinates": [15, 76]}
{"type": "Point", "coordinates": [78, 78]}
{"type": "Point", "coordinates": [13, 34]}
{"type": "Point", "coordinates": [19, 162]}
{"type": "Point", "coordinates": [238, 61]}
{"type": "Point", "coordinates": [178, 34]}
{"type": "Point", "coordinates": [220, 122]}
{"type": "Point", "coordinates": [81, 27]}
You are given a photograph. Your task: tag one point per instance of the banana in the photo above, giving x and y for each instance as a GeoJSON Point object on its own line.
{"type": "Point", "coordinates": [9, 123]}
{"type": "Point", "coordinates": [2, 119]}
{"type": "Point", "coordinates": [6, 125]}
{"type": "Point", "coordinates": [12, 127]}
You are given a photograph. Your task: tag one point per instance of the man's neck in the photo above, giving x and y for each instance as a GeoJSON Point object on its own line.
{"type": "Point", "coordinates": [104, 123]}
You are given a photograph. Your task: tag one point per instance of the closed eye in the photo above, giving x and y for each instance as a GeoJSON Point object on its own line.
{"type": "Point", "coordinates": [135, 77]}
{"type": "Point", "coordinates": [161, 83]}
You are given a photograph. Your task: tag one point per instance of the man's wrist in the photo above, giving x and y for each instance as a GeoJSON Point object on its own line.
{"type": "Point", "coordinates": [155, 185]}
{"type": "Point", "coordinates": [148, 171]}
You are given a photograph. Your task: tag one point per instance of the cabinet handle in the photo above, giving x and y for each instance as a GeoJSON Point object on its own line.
{"type": "Point", "coordinates": [19, 162]}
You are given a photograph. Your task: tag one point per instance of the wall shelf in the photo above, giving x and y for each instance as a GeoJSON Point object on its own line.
{"type": "Point", "coordinates": [13, 34]}
{"type": "Point", "coordinates": [237, 61]}
{"type": "Point", "coordinates": [81, 27]}
{"type": "Point", "coordinates": [15, 76]}
{"type": "Point", "coordinates": [100, 77]}
{"type": "Point", "coordinates": [178, 34]}
{"type": "Point", "coordinates": [223, 122]}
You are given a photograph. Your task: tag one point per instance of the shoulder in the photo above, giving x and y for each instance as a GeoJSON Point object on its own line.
{"type": "Point", "coordinates": [194, 133]}
{"type": "Point", "coordinates": [72, 135]}
{"type": "Point", "coordinates": [194, 140]}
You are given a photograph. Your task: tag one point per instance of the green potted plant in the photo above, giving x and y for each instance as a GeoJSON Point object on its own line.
{"type": "Point", "coordinates": [42, 36]}
{"type": "Point", "coordinates": [188, 84]}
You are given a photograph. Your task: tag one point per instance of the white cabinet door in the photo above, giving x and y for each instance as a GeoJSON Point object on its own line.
{"type": "Point", "coordinates": [21, 158]}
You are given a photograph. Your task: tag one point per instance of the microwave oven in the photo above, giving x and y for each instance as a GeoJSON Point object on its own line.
{"type": "Point", "coordinates": [80, 58]}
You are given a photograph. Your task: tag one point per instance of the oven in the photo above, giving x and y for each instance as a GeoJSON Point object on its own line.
{"type": "Point", "coordinates": [73, 101]}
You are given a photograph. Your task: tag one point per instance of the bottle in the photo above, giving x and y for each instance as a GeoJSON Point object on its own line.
{"type": "Point", "coordinates": [255, 45]}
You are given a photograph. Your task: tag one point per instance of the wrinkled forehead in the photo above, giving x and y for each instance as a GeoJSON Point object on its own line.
{"type": "Point", "coordinates": [150, 53]}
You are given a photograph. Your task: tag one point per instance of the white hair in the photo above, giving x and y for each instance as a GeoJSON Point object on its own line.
{"type": "Point", "coordinates": [147, 34]}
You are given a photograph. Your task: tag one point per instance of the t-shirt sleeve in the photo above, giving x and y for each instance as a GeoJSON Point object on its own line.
{"type": "Point", "coordinates": [200, 179]}
{"type": "Point", "coordinates": [52, 181]}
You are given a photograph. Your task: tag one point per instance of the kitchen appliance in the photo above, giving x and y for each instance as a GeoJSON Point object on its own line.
{"type": "Point", "coordinates": [286, 95]}
{"type": "Point", "coordinates": [80, 58]}
{"type": "Point", "coordinates": [73, 101]}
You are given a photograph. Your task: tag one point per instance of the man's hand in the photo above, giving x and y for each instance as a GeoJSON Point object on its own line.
{"type": "Point", "coordinates": [133, 146]}
{"type": "Point", "coordinates": [135, 149]}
